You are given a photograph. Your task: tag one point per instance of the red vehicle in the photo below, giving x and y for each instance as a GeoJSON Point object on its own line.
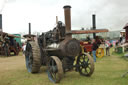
{"type": "Point", "coordinates": [87, 46]}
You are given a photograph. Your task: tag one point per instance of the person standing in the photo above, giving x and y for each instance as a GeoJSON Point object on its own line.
{"type": "Point", "coordinates": [6, 49]}
{"type": "Point", "coordinates": [107, 45]}
{"type": "Point", "coordinates": [94, 48]}
{"type": "Point", "coordinates": [24, 48]}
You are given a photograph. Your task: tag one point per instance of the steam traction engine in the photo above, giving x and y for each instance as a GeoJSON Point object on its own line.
{"type": "Point", "coordinates": [8, 44]}
{"type": "Point", "coordinates": [58, 51]}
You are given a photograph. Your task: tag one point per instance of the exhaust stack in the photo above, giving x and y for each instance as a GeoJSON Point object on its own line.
{"type": "Point", "coordinates": [94, 24]}
{"type": "Point", "coordinates": [1, 23]}
{"type": "Point", "coordinates": [67, 15]}
{"type": "Point", "coordinates": [56, 19]}
{"type": "Point", "coordinates": [29, 28]}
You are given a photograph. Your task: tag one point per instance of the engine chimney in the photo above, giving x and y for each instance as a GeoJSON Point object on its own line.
{"type": "Point", "coordinates": [94, 24]}
{"type": "Point", "coordinates": [29, 28]}
{"type": "Point", "coordinates": [0, 22]}
{"type": "Point", "coordinates": [67, 15]}
{"type": "Point", "coordinates": [56, 19]}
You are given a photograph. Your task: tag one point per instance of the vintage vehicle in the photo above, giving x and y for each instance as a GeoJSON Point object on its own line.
{"type": "Point", "coordinates": [86, 43]}
{"type": "Point", "coordinates": [57, 50]}
{"type": "Point", "coordinates": [8, 44]}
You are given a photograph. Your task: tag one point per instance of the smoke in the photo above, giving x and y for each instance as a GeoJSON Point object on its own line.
{"type": "Point", "coordinates": [110, 14]}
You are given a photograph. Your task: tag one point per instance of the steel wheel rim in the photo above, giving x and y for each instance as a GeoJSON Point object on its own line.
{"type": "Point", "coordinates": [29, 58]}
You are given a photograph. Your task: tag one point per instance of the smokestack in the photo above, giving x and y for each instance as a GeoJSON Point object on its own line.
{"type": "Point", "coordinates": [0, 22]}
{"type": "Point", "coordinates": [29, 28]}
{"type": "Point", "coordinates": [94, 24]}
{"type": "Point", "coordinates": [67, 14]}
{"type": "Point", "coordinates": [56, 19]}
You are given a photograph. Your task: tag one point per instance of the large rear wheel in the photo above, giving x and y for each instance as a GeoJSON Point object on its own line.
{"type": "Point", "coordinates": [32, 57]}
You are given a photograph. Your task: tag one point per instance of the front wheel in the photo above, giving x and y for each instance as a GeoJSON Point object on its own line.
{"type": "Point", "coordinates": [85, 64]}
{"type": "Point", "coordinates": [55, 70]}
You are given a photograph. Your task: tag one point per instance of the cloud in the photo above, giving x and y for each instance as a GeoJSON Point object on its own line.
{"type": "Point", "coordinates": [11, 1]}
{"type": "Point", "coordinates": [111, 14]}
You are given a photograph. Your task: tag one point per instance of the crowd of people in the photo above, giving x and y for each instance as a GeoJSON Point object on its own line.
{"type": "Point", "coordinates": [96, 44]}
{"type": "Point", "coordinates": [107, 43]}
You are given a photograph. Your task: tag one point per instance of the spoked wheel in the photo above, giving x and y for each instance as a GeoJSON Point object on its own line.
{"type": "Point", "coordinates": [32, 57]}
{"type": "Point", "coordinates": [85, 64]}
{"type": "Point", "coordinates": [55, 70]}
{"type": "Point", "coordinates": [100, 52]}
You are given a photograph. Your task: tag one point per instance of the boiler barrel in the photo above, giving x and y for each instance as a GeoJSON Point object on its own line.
{"type": "Point", "coordinates": [67, 48]}
{"type": "Point", "coordinates": [70, 47]}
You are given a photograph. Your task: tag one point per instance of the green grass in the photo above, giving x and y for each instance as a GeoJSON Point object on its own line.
{"type": "Point", "coordinates": [108, 71]}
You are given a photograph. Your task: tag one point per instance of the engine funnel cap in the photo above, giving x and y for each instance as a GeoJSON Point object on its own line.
{"type": "Point", "coordinates": [67, 6]}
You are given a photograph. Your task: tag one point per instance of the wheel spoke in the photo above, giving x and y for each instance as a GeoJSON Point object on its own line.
{"type": "Point", "coordinates": [83, 57]}
{"type": "Point", "coordinates": [54, 75]}
{"type": "Point", "coordinates": [52, 62]}
{"type": "Point", "coordinates": [87, 60]}
{"type": "Point", "coordinates": [86, 70]}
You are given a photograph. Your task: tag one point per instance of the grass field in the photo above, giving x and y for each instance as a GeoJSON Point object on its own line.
{"type": "Point", "coordinates": [108, 71]}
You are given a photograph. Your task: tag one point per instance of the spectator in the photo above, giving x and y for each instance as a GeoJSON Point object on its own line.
{"type": "Point", "coordinates": [15, 45]}
{"type": "Point", "coordinates": [107, 45]}
{"type": "Point", "coordinates": [6, 49]}
{"type": "Point", "coordinates": [24, 48]}
{"type": "Point", "coordinates": [121, 39]}
{"type": "Point", "coordinates": [94, 48]}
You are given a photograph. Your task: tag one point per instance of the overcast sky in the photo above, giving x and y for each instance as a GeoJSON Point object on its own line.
{"type": "Point", "coordinates": [111, 14]}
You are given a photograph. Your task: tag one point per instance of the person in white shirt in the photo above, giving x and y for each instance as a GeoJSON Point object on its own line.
{"type": "Point", "coordinates": [107, 45]}
{"type": "Point", "coordinates": [24, 48]}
